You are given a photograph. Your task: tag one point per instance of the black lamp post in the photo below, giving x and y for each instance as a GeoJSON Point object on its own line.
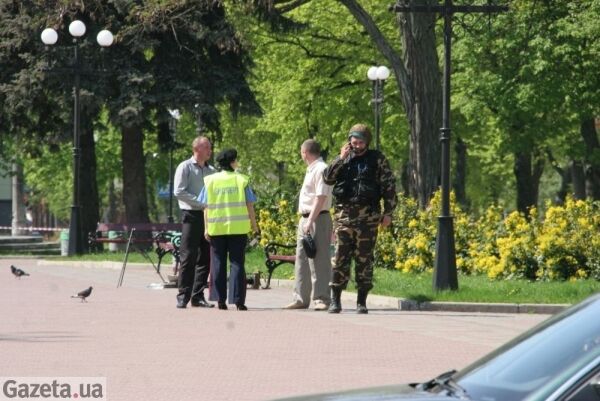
{"type": "Point", "coordinates": [175, 116]}
{"type": "Point", "coordinates": [50, 37]}
{"type": "Point", "coordinates": [445, 274]}
{"type": "Point", "coordinates": [378, 75]}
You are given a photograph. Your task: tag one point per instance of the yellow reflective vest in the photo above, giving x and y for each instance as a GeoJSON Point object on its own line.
{"type": "Point", "coordinates": [227, 213]}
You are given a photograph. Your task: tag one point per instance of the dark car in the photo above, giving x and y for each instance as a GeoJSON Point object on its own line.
{"type": "Point", "coordinates": [558, 360]}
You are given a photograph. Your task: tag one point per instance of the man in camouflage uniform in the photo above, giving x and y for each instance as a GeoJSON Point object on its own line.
{"type": "Point", "coordinates": [361, 178]}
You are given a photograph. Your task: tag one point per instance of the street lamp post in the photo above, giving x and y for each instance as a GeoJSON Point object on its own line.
{"type": "Point", "coordinates": [175, 116]}
{"type": "Point", "coordinates": [378, 75]}
{"type": "Point", "coordinates": [445, 275]}
{"type": "Point", "coordinates": [50, 37]}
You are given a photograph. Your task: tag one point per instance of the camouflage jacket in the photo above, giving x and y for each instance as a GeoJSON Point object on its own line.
{"type": "Point", "coordinates": [384, 177]}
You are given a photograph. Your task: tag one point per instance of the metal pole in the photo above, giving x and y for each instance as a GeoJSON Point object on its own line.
{"type": "Point", "coordinates": [377, 111]}
{"type": "Point", "coordinates": [445, 275]}
{"type": "Point", "coordinates": [381, 85]}
{"type": "Point", "coordinates": [75, 234]}
{"type": "Point", "coordinates": [374, 101]}
{"type": "Point", "coordinates": [170, 217]}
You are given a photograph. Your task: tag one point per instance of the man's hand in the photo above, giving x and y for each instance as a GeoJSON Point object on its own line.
{"type": "Point", "coordinates": [345, 151]}
{"type": "Point", "coordinates": [207, 236]}
{"type": "Point", "coordinates": [386, 221]}
{"type": "Point", "coordinates": [306, 227]}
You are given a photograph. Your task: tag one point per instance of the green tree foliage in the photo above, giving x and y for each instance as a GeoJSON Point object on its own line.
{"type": "Point", "coordinates": [166, 54]}
{"type": "Point", "coordinates": [524, 81]}
{"type": "Point", "coordinates": [311, 83]}
{"type": "Point", "coordinates": [416, 70]}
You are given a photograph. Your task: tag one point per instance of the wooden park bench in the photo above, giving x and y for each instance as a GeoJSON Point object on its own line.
{"type": "Point", "coordinates": [164, 238]}
{"type": "Point", "coordinates": [274, 257]}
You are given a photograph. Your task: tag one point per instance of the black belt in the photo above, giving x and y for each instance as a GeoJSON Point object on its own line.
{"type": "Point", "coordinates": [305, 215]}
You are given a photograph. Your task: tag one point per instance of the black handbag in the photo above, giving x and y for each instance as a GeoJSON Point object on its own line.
{"type": "Point", "coordinates": [310, 248]}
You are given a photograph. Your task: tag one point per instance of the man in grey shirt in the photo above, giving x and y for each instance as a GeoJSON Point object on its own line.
{"type": "Point", "coordinates": [194, 249]}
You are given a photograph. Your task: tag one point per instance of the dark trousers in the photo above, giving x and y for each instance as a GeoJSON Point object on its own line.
{"type": "Point", "coordinates": [235, 247]}
{"type": "Point", "coordinates": [195, 257]}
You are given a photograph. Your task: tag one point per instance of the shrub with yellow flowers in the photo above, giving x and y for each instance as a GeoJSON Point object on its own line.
{"type": "Point", "coordinates": [563, 243]}
{"type": "Point", "coordinates": [516, 247]}
{"type": "Point", "coordinates": [278, 223]}
{"type": "Point", "coordinates": [568, 242]}
{"type": "Point", "coordinates": [409, 245]}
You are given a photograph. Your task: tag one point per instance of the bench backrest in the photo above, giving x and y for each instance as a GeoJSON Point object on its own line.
{"type": "Point", "coordinates": [103, 227]}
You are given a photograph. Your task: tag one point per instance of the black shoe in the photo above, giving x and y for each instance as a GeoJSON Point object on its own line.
{"type": "Point", "coordinates": [242, 307]}
{"type": "Point", "coordinates": [181, 305]}
{"type": "Point", "coordinates": [202, 303]}
{"type": "Point", "coordinates": [336, 302]}
{"type": "Point", "coordinates": [222, 306]}
{"type": "Point", "coordinates": [361, 302]}
{"type": "Point", "coordinates": [334, 308]}
{"type": "Point", "coordinates": [361, 309]}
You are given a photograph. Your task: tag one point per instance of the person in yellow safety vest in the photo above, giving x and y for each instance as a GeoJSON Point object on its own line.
{"type": "Point", "coordinates": [229, 216]}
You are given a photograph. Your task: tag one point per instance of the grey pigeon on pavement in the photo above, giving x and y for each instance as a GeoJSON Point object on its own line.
{"type": "Point", "coordinates": [17, 272]}
{"type": "Point", "coordinates": [83, 294]}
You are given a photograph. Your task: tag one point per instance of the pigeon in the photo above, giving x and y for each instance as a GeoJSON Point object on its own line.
{"type": "Point", "coordinates": [83, 294]}
{"type": "Point", "coordinates": [17, 272]}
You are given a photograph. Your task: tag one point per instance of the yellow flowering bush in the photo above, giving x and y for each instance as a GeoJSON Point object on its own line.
{"type": "Point", "coordinates": [563, 244]}
{"type": "Point", "coordinates": [482, 252]}
{"type": "Point", "coordinates": [560, 243]}
{"type": "Point", "coordinates": [516, 248]}
{"type": "Point", "coordinates": [568, 242]}
{"type": "Point", "coordinates": [409, 245]}
{"type": "Point", "coordinates": [278, 223]}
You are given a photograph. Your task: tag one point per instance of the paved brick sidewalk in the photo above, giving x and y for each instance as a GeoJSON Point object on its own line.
{"type": "Point", "coordinates": [147, 349]}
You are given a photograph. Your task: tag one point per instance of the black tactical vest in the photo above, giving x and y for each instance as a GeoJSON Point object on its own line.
{"type": "Point", "coordinates": [357, 182]}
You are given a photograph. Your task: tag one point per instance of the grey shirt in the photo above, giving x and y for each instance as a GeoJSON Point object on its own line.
{"type": "Point", "coordinates": [188, 182]}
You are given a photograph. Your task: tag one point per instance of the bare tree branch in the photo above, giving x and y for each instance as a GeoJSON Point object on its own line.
{"type": "Point", "coordinates": [291, 6]}
{"type": "Point", "coordinates": [384, 47]}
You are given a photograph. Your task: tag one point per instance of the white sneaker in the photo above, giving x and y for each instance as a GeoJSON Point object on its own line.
{"type": "Point", "coordinates": [321, 306]}
{"type": "Point", "coordinates": [295, 305]}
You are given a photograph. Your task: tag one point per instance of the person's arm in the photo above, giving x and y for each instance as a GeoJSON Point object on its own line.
{"type": "Point", "coordinates": [331, 173]}
{"type": "Point", "coordinates": [206, 225]}
{"type": "Point", "coordinates": [314, 213]}
{"type": "Point", "coordinates": [252, 215]}
{"type": "Point", "coordinates": [387, 184]}
{"type": "Point", "coordinates": [250, 199]}
{"type": "Point", "coordinates": [180, 184]}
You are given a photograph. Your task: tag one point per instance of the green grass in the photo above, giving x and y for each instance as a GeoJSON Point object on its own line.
{"type": "Point", "coordinates": [134, 257]}
{"type": "Point", "coordinates": [418, 286]}
{"type": "Point", "coordinates": [481, 289]}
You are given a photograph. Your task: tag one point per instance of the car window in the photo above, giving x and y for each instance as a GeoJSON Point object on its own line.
{"type": "Point", "coordinates": [542, 361]}
{"type": "Point", "coordinates": [589, 391]}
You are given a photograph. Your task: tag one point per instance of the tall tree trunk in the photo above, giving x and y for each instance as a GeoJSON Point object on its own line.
{"type": "Point", "coordinates": [404, 179]}
{"type": "Point", "coordinates": [134, 175]}
{"type": "Point", "coordinates": [460, 173]}
{"type": "Point", "coordinates": [110, 214]}
{"type": "Point", "coordinates": [281, 174]}
{"type": "Point", "coordinates": [528, 173]}
{"type": "Point", "coordinates": [424, 108]}
{"type": "Point", "coordinates": [578, 178]}
{"type": "Point", "coordinates": [592, 153]}
{"type": "Point", "coordinates": [565, 178]}
{"type": "Point", "coordinates": [18, 222]}
{"type": "Point", "coordinates": [88, 187]}
{"type": "Point", "coordinates": [418, 77]}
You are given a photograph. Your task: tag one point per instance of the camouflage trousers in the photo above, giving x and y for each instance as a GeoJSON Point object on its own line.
{"type": "Point", "coordinates": [355, 238]}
